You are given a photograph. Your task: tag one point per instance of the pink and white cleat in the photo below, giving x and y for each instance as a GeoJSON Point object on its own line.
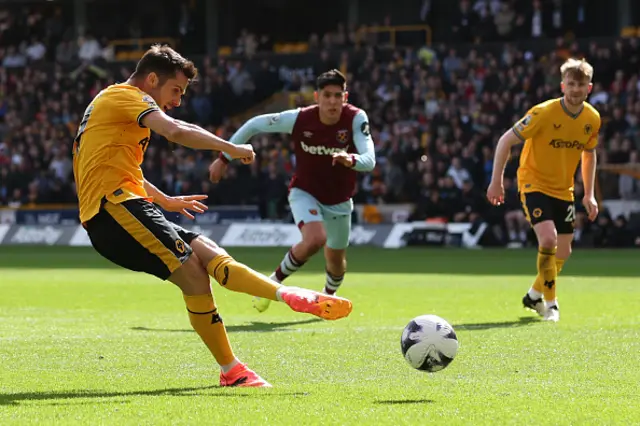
{"type": "Point", "coordinates": [243, 377]}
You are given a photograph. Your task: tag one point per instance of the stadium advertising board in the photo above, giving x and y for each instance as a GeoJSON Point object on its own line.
{"type": "Point", "coordinates": [268, 234]}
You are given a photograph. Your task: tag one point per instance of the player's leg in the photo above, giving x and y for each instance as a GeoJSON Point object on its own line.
{"type": "Point", "coordinates": [337, 220]}
{"type": "Point", "coordinates": [307, 216]}
{"type": "Point", "coordinates": [194, 282]}
{"type": "Point", "coordinates": [336, 267]}
{"type": "Point", "coordinates": [236, 276]}
{"type": "Point", "coordinates": [539, 212]}
{"type": "Point", "coordinates": [564, 218]}
{"type": "Point", "coordinates": [137, 236]}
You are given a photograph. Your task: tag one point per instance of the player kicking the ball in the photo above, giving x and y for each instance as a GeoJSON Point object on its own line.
{"type": "Point", "coordinates": [124, 225]}
{"type": "Point", "coordinates": [557, 134]}
{"type": "Point", "coordinates": [332, 143]}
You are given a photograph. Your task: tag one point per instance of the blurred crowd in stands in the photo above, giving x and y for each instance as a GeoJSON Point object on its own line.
{"type": "Point", "coordinates": [435, 112]}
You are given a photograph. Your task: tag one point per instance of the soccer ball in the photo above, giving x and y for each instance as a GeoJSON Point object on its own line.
{"type": "Point", "coordinates": [429, 343]}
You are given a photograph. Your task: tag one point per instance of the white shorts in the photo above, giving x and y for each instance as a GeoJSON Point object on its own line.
{"type": "Point", "coordinates": [337, 217]}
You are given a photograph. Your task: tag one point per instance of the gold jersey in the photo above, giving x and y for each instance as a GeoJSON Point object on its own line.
{"type": "Point", "coordinates": [554, 139]}
{"type": "Point", "coordinates": [109, 148]}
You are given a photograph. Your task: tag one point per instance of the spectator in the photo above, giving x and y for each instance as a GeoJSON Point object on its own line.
{"type": "Point", "coordinates": [435, 111]}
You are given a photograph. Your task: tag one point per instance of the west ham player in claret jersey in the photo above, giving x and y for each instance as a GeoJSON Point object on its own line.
{"type": "Point", "coordinates": [332, 143]}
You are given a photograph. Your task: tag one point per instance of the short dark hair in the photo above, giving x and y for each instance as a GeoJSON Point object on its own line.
{"type": "Point", "coordinates": [331, 78]}
{"type": "Point", "coordinates": [165, 62]}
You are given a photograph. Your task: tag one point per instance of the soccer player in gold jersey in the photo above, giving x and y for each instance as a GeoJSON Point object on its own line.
{"type": "Point", "coordinates": [118, 205]}
{"type": "Point", "coordinates": [557, 134]}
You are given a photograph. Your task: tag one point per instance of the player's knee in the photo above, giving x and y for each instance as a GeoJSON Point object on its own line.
{"type": "Point", "coordinates": [206, 250]}
{"type": "Point", "coordinates": [548, 240]}
{"type": "Point", "coordinates": [546, 234]}
{"type": "Point", "coordinates": [191, 277]}
{"type": "Point", "coordinates": [315, 240]}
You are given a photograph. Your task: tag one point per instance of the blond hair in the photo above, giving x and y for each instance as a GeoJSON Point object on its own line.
{"type": "Point", "coordinates": [579, 69]}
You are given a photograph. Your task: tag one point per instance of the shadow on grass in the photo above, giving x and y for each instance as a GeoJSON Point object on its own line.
{"type": "Point", "coordinates": [253, 327]}
{"type": "Point", "coordinates": [522, 321]}
{"type": "Point", "coordinates": [404, 401]}
{"type": "Point", "coordinates": [57, 397]}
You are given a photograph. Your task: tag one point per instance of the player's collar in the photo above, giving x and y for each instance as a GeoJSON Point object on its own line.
{"type": "Point", "coordinates": [569, 113]}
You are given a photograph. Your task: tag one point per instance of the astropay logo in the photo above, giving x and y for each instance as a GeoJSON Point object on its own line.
{"type": "Point", "coordinates": [319, 150]}
{"type": "Point", "coordinates": [36, 235]}
{"type": "Point", "coordinates": [360, 235]}
{"type": "Point", "coordinates": [261, 235]}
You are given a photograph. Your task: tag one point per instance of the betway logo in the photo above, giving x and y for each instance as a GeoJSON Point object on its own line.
{"type": "Point", "coordinates": [319, 150]}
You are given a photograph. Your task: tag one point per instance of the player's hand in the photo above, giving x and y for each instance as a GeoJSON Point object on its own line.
{"type": "Point", "coordinates": [217, 169]}
{"type": "Point", "coordinates": [343, 158]}
{"type": "Point", "coordinates": [591, 205]}
{"type": "Point", "coordinates": [244, 152]}
{"type": "Point", "coordinates": [495, 193]}
{"type": "Point", "coordinates": [184, 204]}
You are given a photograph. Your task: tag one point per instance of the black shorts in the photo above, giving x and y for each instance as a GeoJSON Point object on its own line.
{"type": "Point", "coordinates": [539, 207]}
{"type": "Point", "coordinates": [137, 236]}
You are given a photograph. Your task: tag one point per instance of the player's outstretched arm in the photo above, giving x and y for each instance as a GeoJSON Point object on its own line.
{"type": "Point", "coordinates": [181, 204]}
{"type": "Point", "coordinates": [495, 192]}
{"type": "Point", "coordinates": [281, 122]}
{"type": "Point", "coordinates": [193, 136]}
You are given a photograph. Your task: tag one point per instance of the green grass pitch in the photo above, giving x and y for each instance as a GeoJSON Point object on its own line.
{"type": "Point", "coordinates": [82, 342]}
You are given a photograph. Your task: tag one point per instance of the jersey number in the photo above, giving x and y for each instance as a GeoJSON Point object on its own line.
{"type": "Point", "coordinates": [571, 213]}
{"type": "Point", "coordinates": [83, 125]}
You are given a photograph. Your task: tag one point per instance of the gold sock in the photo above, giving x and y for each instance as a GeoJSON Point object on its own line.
{"type": "Point", "coordinates": [205, 320]}
{"type": "Point", "coordinates": [547, 271]}
{"type": "Point", "coordinates": [550, 293]}
{"type": "Point", "coordinates": [538, 284]}
{"type": "Point", "coordinates": [238, 277]}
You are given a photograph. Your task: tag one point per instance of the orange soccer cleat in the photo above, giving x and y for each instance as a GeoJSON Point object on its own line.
{"type": "Point", "coordinates": [325, 306]}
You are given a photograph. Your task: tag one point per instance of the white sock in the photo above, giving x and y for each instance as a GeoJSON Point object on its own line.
{"type": "Point", "coordinates": [549, 304]}
{"type": "Point", "coordinates": [288, 266]}
{"type": "Point", "coordinates": [226, 368]}
{"type": "Point", "coordinates": [273, 277]}
{"type": "Point", "coordinates": [534, 294]}
{"type": "Point", "coordinates": [512, 235]}
{"type": "Point", "coordinates": [333, 283]}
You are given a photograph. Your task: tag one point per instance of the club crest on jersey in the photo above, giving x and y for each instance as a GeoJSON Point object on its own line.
{"type": "Point", "coordinates": [313, 212]}
{"type": "Point", "coordinates": [274, 119]}
{"type": "Point", "coordinates": [342, 136]}
{"type": "Point", "coordinates": [307, 134]}
{"type": "Point", "coordinates": [537, 212]}
{"type": "Point", "coordinates": [364, 128]}
{"type": "Point", "coordinates": [149, 100]}
{"type": "Point", "coordinates": [588, 128]}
